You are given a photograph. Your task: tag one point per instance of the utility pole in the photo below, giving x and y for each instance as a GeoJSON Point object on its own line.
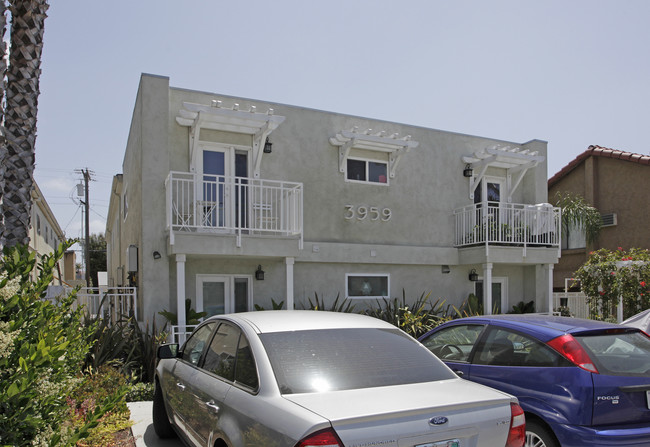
{"type": "Point", "coordinates": [87, 177]}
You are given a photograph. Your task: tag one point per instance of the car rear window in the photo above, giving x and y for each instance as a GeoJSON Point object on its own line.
{"type": "Point", "coordinates": [618, 352]}
{"type": "Point", "coordinates": [343, 359]}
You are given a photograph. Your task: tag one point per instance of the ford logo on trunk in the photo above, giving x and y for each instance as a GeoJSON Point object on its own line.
{"type": "Point", "coordinates": [438, 420]}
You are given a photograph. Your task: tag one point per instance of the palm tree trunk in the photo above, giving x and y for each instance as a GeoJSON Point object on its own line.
{"type": "Point", "coordinates": [27, 27]}
{"type": "Point", "coordinates": [3, 146]}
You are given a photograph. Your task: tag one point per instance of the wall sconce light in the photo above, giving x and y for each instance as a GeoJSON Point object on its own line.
{"type": "Point", "coordinates": [259, 273]}
{"type": "Point", "coordinates": [156, 255]}
{"type": "Point", "coordinates": [268, 146]}
{"type": "Point", "coordinates": [473, 276]}
{"type": "Point", "coordinates": [468, 171]}
{"type": "Point", "coordinates": [445, 269]}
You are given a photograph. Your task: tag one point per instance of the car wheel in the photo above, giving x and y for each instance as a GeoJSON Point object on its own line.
{"type": "Point", "coordinates": [537, 435]}
{"type": "Point", "coordinates": [161, 424]}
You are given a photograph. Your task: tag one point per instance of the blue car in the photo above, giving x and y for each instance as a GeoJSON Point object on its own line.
{"type": "Point", "coordinates": [580, 382]}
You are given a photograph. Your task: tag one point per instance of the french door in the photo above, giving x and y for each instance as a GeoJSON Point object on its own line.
{"type": "Point", "coordinates": [223, 193]}
{"type": "Point", "coordinates": [499, 294]}
{"type": "Point", "coordinates": [488, 197]}
{"type": "Point", "coordinates": [223, 294]}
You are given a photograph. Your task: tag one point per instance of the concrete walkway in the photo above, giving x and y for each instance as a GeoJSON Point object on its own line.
{"type": "Point", "coordinates": [142, 428]}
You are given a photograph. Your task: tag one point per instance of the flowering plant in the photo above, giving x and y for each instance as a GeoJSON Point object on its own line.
{"type": "Point", "coordinates": [42, 350]}
{"type": "Point", "coordinates": [609, 275]}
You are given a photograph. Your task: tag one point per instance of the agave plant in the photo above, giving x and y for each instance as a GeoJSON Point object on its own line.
{"type": "Point", "coordinates": [336, 306]}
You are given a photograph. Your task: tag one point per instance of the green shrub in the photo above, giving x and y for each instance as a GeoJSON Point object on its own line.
{"type": "Point", "coordinates": [42, 351]}
{"type": "Point", "coordinates": [140, 392]}
{"type": "Point", "coordinates": [523, 308]}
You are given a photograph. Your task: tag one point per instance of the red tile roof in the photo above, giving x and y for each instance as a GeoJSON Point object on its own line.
{"type": "Point", "coordinates": [598, 151]}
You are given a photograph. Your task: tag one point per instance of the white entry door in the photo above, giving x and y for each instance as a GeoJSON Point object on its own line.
{"type": "Point", "coordinates": [212, 294]}
{"type": "Point", "coordinates": [499, 294]}
{"type": "Point", "coordinates": [223, 294]}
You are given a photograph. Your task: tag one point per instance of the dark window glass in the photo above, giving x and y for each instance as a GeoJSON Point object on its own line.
{"type": "Point", "coordinates": [454, 343]}
{"type": "Point", "coordinates": [194, 345]}
{"type": "Point", "coordinates": [377, 172]}
{"type": "Point", "coordinates": [241, 294]}
{"type": "Point", "coordinates": [220, 357]}
{"type": "Point", "coordinates": [507, 348]}
{"type": "Point", "coordinates": [623, 353]}
{"type": "Point", "coordinates": [356, 170]}
{"type": "Point", "coordinates": [245, 371]}
{"type": "Point", "coordinates": [343, 359]}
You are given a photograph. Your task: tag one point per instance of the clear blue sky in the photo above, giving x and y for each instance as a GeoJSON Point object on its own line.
{"type": "Point", "coordinates": [573, 73]}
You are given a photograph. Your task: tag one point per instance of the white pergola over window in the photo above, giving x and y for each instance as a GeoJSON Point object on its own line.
{"type": "Point", "coordinates": [515, 160]}
{"type": "Point", "coordinates": [215, 117]}
{"type": "Point", "coordinates": [393, 145]}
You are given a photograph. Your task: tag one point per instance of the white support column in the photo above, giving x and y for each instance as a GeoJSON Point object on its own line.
{"type": "Point", "coordinates": [180, 293]}
{"type": "Point", "coordinates": [487, 288]}
{"type": "Point", "coordinates": [549, 269]}
{"type": "Point", "coordinates": [289, 262]}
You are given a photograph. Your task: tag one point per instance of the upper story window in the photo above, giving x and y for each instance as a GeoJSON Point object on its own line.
{"type": "Point", "coordinates": [370, 157]}
{"type": "Point", "coordinates": [367, 171]}
{"type": "Point", "coordinates": [574, 237]}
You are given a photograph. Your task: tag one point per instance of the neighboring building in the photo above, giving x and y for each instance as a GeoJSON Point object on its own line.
{"type": "Point", "coordinates": [45, 236]}
{"type": "Point", "coordinates": [233, 203]}
{"type": "Point", "coordinates": [616, 183]}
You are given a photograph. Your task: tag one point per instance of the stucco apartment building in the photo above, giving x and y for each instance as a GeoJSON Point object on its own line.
{"type": "Point", "coordinates": [45, 235]}
{"type": "Point", "coordinates": [232, 203]}
{"type": "Point", "coordinates": [616, 183]}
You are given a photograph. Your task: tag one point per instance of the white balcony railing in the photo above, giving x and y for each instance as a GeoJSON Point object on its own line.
{"type": "Point", "coordinates": [114, 303]}
{"type": "Point", "coordinates": [236, 205]}
{"type": "Point", "coordinates": [516, 224]}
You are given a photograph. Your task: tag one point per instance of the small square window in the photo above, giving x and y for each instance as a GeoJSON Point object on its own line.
{"type": "Point", "coordinates": [367, 285]}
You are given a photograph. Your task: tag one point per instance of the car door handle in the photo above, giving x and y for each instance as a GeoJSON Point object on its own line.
{"type": "Point", "coordinates": [212, 406]}
{"type": "Point", "coordinates": [459, 373]}
{"type": "Point", "coordinates": [180, 386]}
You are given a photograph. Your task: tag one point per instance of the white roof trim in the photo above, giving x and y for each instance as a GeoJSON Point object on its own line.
{"type": "Point", "coordinates": [513, 159]}
{"type": "Point", "coordinates": [215, 117]}
{"type": "Point", "coordinates": [392, 144]}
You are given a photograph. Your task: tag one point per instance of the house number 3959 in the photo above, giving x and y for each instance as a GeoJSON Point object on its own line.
{"type": "Point", "coordinates": [362, 212]}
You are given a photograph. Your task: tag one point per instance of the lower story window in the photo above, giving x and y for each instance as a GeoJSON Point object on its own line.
{"type": "Point", "coordinates": [367, 285]}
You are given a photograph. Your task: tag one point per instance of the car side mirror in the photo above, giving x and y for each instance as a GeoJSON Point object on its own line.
{"type": "Point", "coordinates": [168, 351]}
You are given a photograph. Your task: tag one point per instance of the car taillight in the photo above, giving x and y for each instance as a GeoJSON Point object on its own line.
{"type": "Point", "coordinates": [322, 438]}
{"type": "Point", "coordinates": [517, 433]}
{"type": "Point", "coordinates": [571, 349]}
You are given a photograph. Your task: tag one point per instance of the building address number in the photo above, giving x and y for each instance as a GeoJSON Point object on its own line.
{"type": "Point", "coordinates": [362, 212]}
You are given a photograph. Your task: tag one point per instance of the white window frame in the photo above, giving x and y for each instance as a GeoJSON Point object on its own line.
{"type": "Point", "coordinates": [367, 162]}
{"type": "Point", "coordinates": [370, 275]}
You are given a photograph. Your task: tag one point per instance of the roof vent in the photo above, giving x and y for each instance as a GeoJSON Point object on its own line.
{"type": "Point", "coordinates": [609, 220]}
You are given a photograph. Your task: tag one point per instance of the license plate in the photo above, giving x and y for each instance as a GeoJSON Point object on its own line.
{"type": "Point", "coordinates": [647, 398]}
{"type": "Point", "coordinates": [450, 443]}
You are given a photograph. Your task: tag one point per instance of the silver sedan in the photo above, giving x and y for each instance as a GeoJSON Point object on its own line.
{"type": "Point", "coordinates": [308, 378]}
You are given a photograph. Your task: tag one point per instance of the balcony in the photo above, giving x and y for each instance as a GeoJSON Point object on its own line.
{"type": "Point", "coordinates": [508, 224]}
{"type": "Point", "coordinates": [236, 206]}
